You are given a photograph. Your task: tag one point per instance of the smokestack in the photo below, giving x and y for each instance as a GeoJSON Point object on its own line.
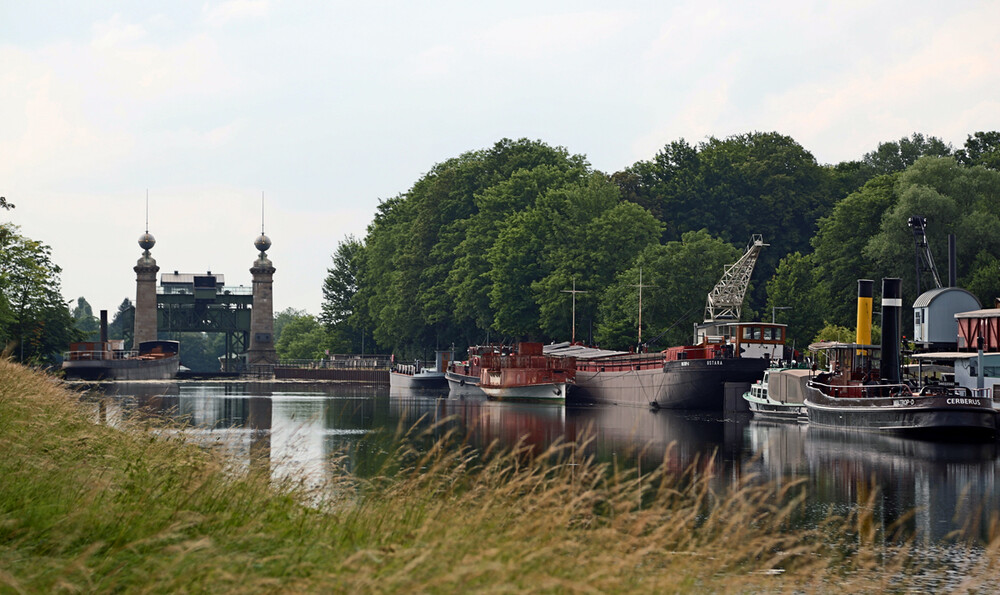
{"type": "Point", "coordinates": [864, 328]}
{"type": "Point", "coordinates": [104, 326]}
{"type": "Point", "coordinates": [892, 310]}
{"type": "Point", "coordinates": [952, 262]}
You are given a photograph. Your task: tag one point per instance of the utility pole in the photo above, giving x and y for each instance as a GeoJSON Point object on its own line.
{"type": "Point", "coordinates": [640, 286]}
{"type": "Point", "coordinates": [574, 291]}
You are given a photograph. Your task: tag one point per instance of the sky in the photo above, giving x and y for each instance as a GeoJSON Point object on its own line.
{"type": "Point", "coordinates": [317, 111]}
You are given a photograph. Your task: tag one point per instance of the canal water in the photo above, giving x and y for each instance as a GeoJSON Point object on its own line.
{"type": "Point", "coordinates": [933, 488]}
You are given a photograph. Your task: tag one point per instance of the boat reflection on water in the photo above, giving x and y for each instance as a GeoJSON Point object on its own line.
{"type": "Point", "coordinates": [949, 486]}
{"type": "Point", "coordinates": [296, 430]}
{"type": "Point", "coordinates": [624, 435]}
{"type": "Point", "coordinates": [937, 490]}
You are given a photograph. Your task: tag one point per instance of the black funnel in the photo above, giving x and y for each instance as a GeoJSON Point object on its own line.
{"type": "Point", "coordinates": [892, 312]}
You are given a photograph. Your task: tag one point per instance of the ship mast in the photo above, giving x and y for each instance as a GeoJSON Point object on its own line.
{"type": "Point", "coordinates": [725, 301]}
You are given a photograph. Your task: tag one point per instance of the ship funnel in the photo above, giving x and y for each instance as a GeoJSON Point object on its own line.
{"type": "Point", "coordinates": [864, 332]}
{"type": "Point", "coordinates": [892, 308]}
{"type": "Point", "coordinates": [104, 326]}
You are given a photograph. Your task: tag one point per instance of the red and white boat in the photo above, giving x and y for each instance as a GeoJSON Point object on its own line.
{"type": "Point", "coordinates": [528, 374]}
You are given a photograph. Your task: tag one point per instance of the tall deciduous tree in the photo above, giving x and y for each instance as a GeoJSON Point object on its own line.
{"type": "Point", "coordinates": [35, 323]}
{"type": "Point", "coordinates": [681, 274]}
{"type": "Point", "coordinates": [981, 148]}
{"type": "Point", "coordinates": [895, 156]}
{"type": "Point", "coordinates": [797, 297]}
{"type": "Point", "coordinates": [955, 199]}
{"type": "Point", "coordinates": [85, 321]}
{"type": "Point", "coordinates": [839, 246]}
{"type": "Point", "coordinates": [122, 323]}
{"type": "Point", "coordinates": [303, 338]}
{"type": "Point", "coordinates": [344, 326]}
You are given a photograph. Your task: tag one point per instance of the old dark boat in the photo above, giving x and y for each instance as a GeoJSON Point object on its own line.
{"type": "Point", "coordinates": [528, 374]}
{"type": "Point", "coordinates": [727, 355]}
{"type": "Point", "coordinates": [861, 387]}
{"type": "Point", "coordinates": [108, 360]}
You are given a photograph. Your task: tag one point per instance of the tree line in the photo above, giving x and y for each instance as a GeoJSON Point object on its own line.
{"type": "Point", "coordinates": [488, 246]}
{"type": "Point", "coordinates": [491, 245]}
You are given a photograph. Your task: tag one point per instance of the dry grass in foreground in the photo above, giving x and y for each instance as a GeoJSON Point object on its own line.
{"type": "Point", "coordinates": [87, 508]}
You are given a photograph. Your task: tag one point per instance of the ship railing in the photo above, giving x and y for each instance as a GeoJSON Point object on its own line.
{"type": "Point", "coordinates": [989, 394]}
{"type": "Point", "coordinates": [866, 391]}
{"type": "Point", "coordinates": [652, 361]}
{"type": "Point", "coordinates": [99, 354]}
{"type": "Point", "coordinates": [339, 362]}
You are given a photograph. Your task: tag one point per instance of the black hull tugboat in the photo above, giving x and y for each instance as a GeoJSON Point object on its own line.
{"type": "Point", "coordinates": [861, 388]}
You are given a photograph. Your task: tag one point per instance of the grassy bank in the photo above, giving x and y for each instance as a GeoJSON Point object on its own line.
{"type": "Point", "coordinates": [88, 508]}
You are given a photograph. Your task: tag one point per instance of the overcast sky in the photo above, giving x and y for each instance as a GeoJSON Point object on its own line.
{"type": "Point", "coordinates": [328, 107]}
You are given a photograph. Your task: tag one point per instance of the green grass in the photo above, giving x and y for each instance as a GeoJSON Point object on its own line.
{"type": "Point", "coordinates": [90, 508]}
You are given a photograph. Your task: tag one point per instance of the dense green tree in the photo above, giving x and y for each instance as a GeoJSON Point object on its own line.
{"type": "Point", "coordinates": [35, 323]}
{"type": "Point", "coordinates": [580, 231]}
{"type": "Point", "coordinates": [983, 279]}
{"type": "Point", "coordinates": [281, 320]}
{"type": "Point", "coordinates": [85, 321]}
{"type": "Point", "coordinates": [955, 199]}
{"type": "Point", "coordinates": [681, 274]}
{"type": "Point", "coordinates": [303, 338]}
{"type": "Point", "coordinates": [839, 246]}
{"type": "Point", "coordinates": [345, 326]}
{"type": "Point", "coordinates": [895, 156]}
{"type": "Point", "coordinates": [123, 323]}
{"type": "Point", "coordinates": [422, 279]}
{"type": "Point", "coordinates": [756, 183]}
{"type": "Point", "coordinates": [200, 352]}
{"type": "Point", "coordinates": [981, 148]}
{"type": "Point", "coordinates": [796, 297]}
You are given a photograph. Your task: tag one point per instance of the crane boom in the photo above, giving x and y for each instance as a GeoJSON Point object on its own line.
{"type": "Point", "coordinates": [925, 260]}
{"type": "Point", "coordinates": [725, 301]}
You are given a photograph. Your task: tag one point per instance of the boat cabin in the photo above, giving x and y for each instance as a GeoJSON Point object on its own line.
{"type": "Point", "coordinates": [979, 323]}
{"type": "Point", "coordinates": [847, 369]}
{"type": "Point", "coordinates": [745, 339]}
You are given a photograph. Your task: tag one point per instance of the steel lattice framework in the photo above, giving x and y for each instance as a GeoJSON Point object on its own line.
{"type": "Point", "coordinates": [725, 301]}
{"type": "Point", "coordinates": [225, 312]}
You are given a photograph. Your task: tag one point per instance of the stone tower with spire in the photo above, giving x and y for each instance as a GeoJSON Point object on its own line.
{"type": "Point", "coordinates": [261, 351]}
{"type": "Point", "coordinates": [145, 292]}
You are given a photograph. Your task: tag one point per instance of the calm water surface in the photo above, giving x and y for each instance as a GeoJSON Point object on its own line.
{"type": "Point", "coordinates": [294, 429]}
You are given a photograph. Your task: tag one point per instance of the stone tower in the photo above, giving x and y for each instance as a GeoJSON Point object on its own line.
{"type": "Point", "coordinates": [145, 292]}
{"type": "Point", "coordinates": [261, 351]}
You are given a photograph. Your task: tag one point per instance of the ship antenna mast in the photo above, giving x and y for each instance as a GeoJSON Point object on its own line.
{"type": "Point", "coordinates": [725, 301]}
{"type": "Point", "coordinates": [640, 286]}
{"type": "Point", "coordinates": [574, 291]}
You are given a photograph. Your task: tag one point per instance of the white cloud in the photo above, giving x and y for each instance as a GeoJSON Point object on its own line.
{"type": "Point", "coordinates": [551, 34]}
{"type": "Point", "coordinates": [115, 33]}
{"type": "Point", "coordinates": [220, 14]}
{"type": "Point", "coordinates": [437, 61]}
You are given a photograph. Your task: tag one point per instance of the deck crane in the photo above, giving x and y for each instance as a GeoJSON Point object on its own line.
{"type": "Point", "coordinates": [725, 301]}
{"type": "Point", "coordinates": [925, 260]}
